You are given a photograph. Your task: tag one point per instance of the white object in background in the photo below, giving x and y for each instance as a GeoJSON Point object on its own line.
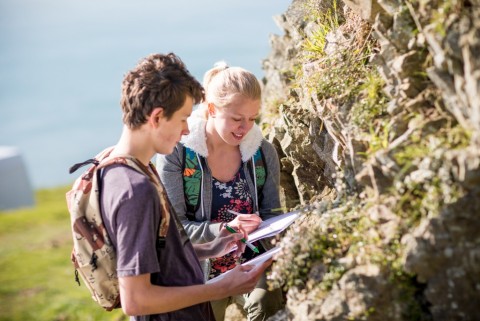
{"type": "Point", "coordinates": [15, 188]}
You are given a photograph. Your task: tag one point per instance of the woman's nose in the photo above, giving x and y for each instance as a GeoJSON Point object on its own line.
{"type": "Point", "coordinates": [244, 124]}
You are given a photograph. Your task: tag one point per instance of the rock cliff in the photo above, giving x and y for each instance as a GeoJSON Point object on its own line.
{"type": "Point", "coordinates": [374, 108]}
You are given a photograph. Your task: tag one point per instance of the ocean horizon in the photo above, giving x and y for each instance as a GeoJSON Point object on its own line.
{"type": "Point", "coordinates": [63, 64]}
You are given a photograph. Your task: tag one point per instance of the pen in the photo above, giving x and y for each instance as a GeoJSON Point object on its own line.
{"type": "Point", "coordinates": [233, 212]}
{"type": "Point", "coordinates": [250, 245]}
{"type": "Point", "coordinates": [236, 213]}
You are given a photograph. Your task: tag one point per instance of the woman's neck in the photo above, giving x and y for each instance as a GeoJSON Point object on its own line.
{"type": "Point", "coordinates": [215, 143]}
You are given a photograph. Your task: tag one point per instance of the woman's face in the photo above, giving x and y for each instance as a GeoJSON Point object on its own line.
{"type": "Point", "coordinates": [235, 120]}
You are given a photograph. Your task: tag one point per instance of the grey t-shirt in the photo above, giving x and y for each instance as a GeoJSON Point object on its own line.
{"type": "Point", "coordinates": [131, 212]}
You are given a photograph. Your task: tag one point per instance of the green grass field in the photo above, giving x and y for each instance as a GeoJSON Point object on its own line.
{"type": "Point", "coordinates": [36, 276]}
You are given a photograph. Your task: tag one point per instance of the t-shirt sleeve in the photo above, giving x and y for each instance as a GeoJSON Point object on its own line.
{"type": "Point", "coordinates": [130, 205]}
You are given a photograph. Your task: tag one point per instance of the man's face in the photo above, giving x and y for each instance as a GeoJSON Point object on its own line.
{"type": "Point", "coordinates": [170, 131]}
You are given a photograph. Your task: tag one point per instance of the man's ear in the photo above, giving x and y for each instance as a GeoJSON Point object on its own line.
{"type": "Point", "coordinates": [156, 116]}
{"type": "Point", "coordinates": [211, 110]}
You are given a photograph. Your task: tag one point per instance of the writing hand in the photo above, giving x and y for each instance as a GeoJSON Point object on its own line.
{"type": "Point", "coordinates": [249, 222]}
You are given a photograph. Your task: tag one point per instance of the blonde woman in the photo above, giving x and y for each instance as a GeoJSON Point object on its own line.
{"type": "Point", "coordinates": [224, 164]}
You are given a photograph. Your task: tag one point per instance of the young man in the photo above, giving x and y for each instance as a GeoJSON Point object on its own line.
{"type": "Point", "coordinates": [160, 282]}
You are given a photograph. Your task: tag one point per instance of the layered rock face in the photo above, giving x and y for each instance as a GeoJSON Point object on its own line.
{"type": "Point", "coordinates": [374, 109]}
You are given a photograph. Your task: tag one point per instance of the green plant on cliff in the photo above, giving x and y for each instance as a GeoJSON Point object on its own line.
{"type": "Point", "coordinates": [372, 101]}
{"type": "Point", "coordinates": [326, 19]}
{"type": "Point", "coordinates": [316, 245]}
{"type": "Point", "coordinates": [377, 138]}
{"type": "Point", "coordinates": [442, 13]}
{"type": "Point", "coordinates": [345, 77]}
{"type": "Point", "coordinates": [348, 81]}
{"type": "Point", "coordinates": [426, 186]}
{"type": "Point", "coordinates": [407, 150]}
{"type": "Point", "coordinates": [316, 258]}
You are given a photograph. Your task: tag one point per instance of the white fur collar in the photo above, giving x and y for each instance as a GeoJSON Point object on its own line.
{"type": "Point", "coordinates": [197, 139]}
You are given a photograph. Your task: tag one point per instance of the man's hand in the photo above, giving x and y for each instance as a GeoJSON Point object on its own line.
{"type": "Point", "coordinates": [242, 279]}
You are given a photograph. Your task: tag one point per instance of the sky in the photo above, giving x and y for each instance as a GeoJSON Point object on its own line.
{"type": "Point", "coordinates": [63, 62]}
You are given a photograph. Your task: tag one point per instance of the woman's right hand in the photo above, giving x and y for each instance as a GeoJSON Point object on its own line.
{"type": "Point", "coordinates": [248, 222]}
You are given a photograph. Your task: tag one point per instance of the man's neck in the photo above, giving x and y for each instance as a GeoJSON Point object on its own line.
{"type": "Point", "coordinates": [134, 142]}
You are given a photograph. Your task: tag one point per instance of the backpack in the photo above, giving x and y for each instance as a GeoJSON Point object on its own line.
{"type": "Point", "coordinates": [93, 254]}
{"type": "Point", "coordinates": [192, 177]}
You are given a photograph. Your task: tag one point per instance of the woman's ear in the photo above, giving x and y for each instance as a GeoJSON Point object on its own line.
{"type": "Point", "coordinates": [211, 110]}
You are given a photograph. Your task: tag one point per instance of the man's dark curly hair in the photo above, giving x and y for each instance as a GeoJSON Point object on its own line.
{"type": "Point", "coordinates": [157, 81]}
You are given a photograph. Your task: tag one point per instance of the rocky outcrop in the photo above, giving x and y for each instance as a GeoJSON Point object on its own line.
{"type": "Point", "coordinates": [374, 109]}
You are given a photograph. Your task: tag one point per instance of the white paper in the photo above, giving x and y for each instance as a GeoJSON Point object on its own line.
{"type": "Point", "coordinates": [263, 257]}
{"type": "Point", "coordinates": [255, 262]}
{"type": "Point", "coordinates": [273, 226]}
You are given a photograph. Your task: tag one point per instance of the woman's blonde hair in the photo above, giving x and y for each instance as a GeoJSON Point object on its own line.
{"type": "Point", "coordinates": [223, 83]}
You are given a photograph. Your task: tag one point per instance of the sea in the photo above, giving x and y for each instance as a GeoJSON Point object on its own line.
{"type": "Point", "coordinates": [62, 64]}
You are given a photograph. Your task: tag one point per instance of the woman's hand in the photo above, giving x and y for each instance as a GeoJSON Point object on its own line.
{"type": "Point", "coordinates": [248, 222]}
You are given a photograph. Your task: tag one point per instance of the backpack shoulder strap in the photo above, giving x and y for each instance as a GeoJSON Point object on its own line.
{"type": "Point", "coordinates": [152, 175]}
{"type": "Point", "coordinates": [259, 169]}
{"type": "Point", "coordinates": [192, 181]}
{"type": "Point", "coordinates": [91, 243]}
{"type": "Point", "coordinates": [192, 178]}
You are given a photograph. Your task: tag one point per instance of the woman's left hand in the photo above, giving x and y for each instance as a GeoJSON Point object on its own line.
{"type": "Point", "coordinates": [226, 241]}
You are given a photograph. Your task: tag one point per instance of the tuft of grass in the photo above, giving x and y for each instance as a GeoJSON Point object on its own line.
{"type": "Point", "coordinates": [36, 275]}
{"type": "Point", "coordinates": [327, 20]}
{"type": "Point", "coordinates": [372, 100]}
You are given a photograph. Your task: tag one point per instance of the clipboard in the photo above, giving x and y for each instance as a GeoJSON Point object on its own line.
{"type": "Point", "coordinates": [273, 226]}
{"type": "Point", "coordinates": [255, 261]}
